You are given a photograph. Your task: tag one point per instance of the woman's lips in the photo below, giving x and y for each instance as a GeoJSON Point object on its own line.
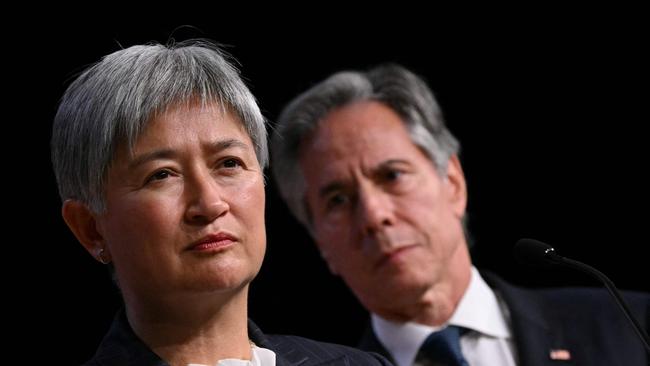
{"type": "Point", "coordinates": [212, 242]}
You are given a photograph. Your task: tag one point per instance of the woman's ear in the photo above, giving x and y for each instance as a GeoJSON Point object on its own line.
{"type": "Point", "coordinates": [82, 222]}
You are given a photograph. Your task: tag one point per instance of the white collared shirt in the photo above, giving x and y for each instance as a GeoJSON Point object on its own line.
{"type": "Point", "coordinates": [259, 357]}
{"type": "Point", "coordinates": [489, 343]}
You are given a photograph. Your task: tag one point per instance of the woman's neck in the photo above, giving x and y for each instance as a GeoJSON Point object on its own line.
{"type": "Point", "coordinates": [194, 330]}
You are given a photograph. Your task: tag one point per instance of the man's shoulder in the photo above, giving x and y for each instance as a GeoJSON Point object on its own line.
{"type": "Point", "coordinates": [567, 304]}
{"type": "Point", "coordinates": [308, 348]}
{"type": "Point", "coordinates": [562, 294]}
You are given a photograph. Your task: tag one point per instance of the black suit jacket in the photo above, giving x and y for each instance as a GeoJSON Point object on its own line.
{"type": "Point", "coordinates": [122, 347]}
{"type": "Point", "coordinates": [584, 321]}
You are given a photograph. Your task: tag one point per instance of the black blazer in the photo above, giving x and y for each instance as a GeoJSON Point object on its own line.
{"type": "Point", "coordinates": [122, 347]}
{"type": "Point", "coordinates": [584, 321]}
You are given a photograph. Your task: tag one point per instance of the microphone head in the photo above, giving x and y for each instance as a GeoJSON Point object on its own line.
{"type": "Point", "coordinates": [534, 252]}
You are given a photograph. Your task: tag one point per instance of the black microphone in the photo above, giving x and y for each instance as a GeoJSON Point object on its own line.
{"type": "Point", "coordinates": [531, 251]}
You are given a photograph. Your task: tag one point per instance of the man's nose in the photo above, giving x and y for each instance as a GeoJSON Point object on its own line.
{"type": "Point", "coordinates": [376, 209]}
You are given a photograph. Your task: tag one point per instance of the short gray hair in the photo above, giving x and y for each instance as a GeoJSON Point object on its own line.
{"type": "Point", "coordinates": [393, 85]}
{"type": "Point", "coordinates": [111, 102]}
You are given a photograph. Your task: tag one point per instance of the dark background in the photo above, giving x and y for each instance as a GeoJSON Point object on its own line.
{"type": "Point", "coordinates": [550, 112]}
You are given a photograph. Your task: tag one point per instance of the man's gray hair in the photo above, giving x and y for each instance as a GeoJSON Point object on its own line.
{"type": "Point", "coordinates": [393, 85]}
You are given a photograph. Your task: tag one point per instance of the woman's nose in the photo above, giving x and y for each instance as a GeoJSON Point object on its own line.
{"type": "Point", "coordinates": [206, 200]}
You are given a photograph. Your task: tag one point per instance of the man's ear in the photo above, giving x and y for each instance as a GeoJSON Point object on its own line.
{"type": "Point", "coordinates": [330, 265]}
{"type": "Point", "coordinates": [82, 222]}
{"type": "Point", "coordinates": [457, 186]}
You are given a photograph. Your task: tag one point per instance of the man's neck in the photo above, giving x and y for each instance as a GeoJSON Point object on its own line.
{"type": "Point", "coordinates": [438, 303]}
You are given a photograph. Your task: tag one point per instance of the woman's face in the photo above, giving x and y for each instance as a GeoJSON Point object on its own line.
{"type": "Point", "coordinates": [185, 209]}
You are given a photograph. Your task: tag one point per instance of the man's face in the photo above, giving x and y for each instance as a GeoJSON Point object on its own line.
{"type": "Point", "coordinates": [382, 216]}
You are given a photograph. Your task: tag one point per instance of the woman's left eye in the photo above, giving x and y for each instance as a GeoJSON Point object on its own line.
{"type": "Point", "coordinates": [231, 163]}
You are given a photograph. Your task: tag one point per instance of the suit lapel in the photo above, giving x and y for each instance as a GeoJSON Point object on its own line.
{"type": "Point", "coordinates": [288, 354]}
{"type": "Point", "coordinates": [369, 342]}
{"type": "Point", "coordinates": [537, 341]}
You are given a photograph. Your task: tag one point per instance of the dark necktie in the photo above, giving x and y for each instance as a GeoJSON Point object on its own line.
{"type": "Point", "coordinates": [441, 348]}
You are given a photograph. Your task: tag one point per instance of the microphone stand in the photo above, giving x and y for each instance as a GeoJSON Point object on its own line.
{"type": "Point", "coordinates": [567, 262]}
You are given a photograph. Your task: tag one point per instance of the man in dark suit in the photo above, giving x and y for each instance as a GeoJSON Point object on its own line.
{"type": "Point", "coordinates": [366, 163]}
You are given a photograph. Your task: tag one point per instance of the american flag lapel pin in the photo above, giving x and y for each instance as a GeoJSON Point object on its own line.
{"type": "Point", "coordinates": [560, 354]}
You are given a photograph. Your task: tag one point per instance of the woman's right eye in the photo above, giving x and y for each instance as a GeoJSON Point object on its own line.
{"type": "Point", "coordinates": [159, 175]}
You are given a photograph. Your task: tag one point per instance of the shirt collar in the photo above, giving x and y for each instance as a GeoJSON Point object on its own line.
{"type": "Point", "coordinates": [402, 340]}
{"type": "Point", "coordinates": [259, 357]}
{"type": "Point", "coordinates": [479, 309]}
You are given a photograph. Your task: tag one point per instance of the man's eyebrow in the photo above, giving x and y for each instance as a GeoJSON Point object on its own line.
{"type": "Point", "coordinates": [329, 188]}
{"type": "Point", "coordinates": [337, 185]}
{"type": "Point", "coordinates": [389, 163]}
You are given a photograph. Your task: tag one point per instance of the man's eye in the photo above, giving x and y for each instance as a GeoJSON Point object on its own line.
{"type": "Point", "coordinates": [392, 175]}
{"type": "Point", "coordinates": [336, 200]}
